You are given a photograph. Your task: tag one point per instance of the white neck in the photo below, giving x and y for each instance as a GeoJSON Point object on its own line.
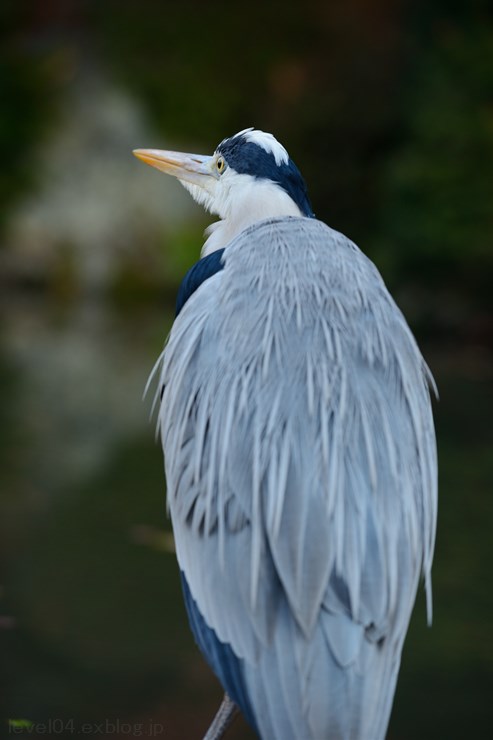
{"type": "Point", "coordinates": [242, 205]}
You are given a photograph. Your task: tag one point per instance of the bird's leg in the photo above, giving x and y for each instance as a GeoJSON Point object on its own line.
{"type": "Point", "coordinates": [224, 717]}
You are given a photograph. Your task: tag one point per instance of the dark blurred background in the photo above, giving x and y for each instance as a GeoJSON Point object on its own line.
{"type": "Point", "coordinates": [387, 108]}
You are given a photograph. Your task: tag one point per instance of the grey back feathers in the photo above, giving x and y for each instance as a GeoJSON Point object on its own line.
{"type": "Point", "coordinates": [302, 477]}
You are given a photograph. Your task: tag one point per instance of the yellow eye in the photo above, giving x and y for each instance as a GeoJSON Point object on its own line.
{"type": "Point", "coordinates": [221, 165]}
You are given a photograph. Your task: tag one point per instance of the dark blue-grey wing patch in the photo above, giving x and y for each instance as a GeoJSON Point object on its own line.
{"type": "Point", "coordinates": [201, 271]}
{"type": "Point", "coordinates": [222, 660]}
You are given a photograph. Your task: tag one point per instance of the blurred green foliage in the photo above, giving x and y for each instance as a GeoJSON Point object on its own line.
{"type": "Point", "coordinates": [28, 80]}
{"type": "Point", "coordinates": [437, 196]}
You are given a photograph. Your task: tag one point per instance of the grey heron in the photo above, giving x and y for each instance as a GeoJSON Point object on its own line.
{"type": "Point", "coordinates": [300, 456]}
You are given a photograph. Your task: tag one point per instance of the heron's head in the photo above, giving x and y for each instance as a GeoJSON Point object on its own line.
{"type": "Point", "coordinates": [249, 177]}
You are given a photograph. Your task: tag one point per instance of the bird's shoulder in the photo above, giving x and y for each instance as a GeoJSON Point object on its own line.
{"type": "Point", "coordinates": [198, 274]}
{"type": "Point", "coordinates": [283, 265]}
